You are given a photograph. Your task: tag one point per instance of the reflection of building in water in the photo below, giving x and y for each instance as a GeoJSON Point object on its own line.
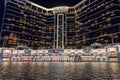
{"type": "Point", "coordinates": [90, 21]}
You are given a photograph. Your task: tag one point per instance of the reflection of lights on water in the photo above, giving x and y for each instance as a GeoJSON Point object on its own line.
{"type": "Point", "coordinates": [5, 64]}
{"type": "Point", "coordinates": [63, 70]}
{"type": "Point", "coordinates": [114, 68]}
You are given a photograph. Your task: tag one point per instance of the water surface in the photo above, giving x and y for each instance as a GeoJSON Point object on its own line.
{"type": "Point", "coordinates": [59, 71]}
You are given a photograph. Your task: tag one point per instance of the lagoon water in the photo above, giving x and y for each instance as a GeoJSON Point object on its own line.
{"type": "Point", "coordinates": [59, 71]}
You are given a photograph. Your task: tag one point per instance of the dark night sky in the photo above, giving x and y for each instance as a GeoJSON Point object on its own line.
{"type": "Point", "coordinates": [1, 10]}
{"type": "Point", "coordinates": [54, 3]}
{"type": "Point", "coordinates": [44, 3]}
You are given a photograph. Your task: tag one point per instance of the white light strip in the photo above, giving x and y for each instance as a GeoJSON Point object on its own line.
{"type": "Point", "coordinates": [48, 9]}
{"type": "Point", "coordinates": [79, 3]}
{"type": "Point", "coordinates": [36, 4]}
{"type": "Point", "coordinates": [57, 28]}
{"type": "Point", "coordinates": [63, 31]}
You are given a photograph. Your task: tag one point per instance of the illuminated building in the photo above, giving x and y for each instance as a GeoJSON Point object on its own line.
{"type": "Point", "coordinates": [98, 21]}
{"type": "Point", "coordinates": [90, 21]}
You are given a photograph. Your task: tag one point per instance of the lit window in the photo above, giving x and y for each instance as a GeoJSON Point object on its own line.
{"type": "Point", "coordinates": [108, 19]}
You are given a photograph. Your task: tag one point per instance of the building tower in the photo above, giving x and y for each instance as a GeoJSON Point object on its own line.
{"type": "Point", "coordinates": [60, 27]}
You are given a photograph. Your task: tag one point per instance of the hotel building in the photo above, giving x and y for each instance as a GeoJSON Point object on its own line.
{"type": "Point", "coordinates": [89, 21]}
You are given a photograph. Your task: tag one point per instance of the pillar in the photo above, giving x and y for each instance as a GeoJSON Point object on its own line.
{"type": "Point", "coordinates": [118, 57]}
{"type": "Point", "coordinates": [95, 59]}
{"type": "Point", "coordinates": [107, 56]}
{"type": "Point", "coordinates": [10, 58]}
{"type": "Point", "coordinates": [60, 59]}
{"type": "Point", "coordinates": [33, 59]}
{"type": "Point", "coordinates": [101, 59]}
{"type": "Point", "coordinates": [50, 59]}
{"type": "Point", "coordinates": [68, 59]}
{"type": "Point", "coordinates": [107, 59]}
{"type": "Point", "coordinates": [43, 59]}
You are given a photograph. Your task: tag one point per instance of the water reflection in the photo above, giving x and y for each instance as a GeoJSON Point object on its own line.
{"type": "Point", "coordinates": [59, 71]}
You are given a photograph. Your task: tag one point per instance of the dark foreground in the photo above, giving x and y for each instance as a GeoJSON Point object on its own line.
{"type": "Point", "coordinates": [60, 71]}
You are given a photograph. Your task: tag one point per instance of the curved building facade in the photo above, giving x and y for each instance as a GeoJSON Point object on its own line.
{"type": "Point", "coordinates": [89, 21]}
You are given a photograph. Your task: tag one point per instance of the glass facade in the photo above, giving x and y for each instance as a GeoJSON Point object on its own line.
{"type": "Point", "coordinates": [90, 21]}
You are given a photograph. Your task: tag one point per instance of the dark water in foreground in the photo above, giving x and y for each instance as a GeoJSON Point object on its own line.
{"type": "Point", "coordinates": [60, 71]}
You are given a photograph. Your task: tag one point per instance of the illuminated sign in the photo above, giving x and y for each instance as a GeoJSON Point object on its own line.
{"type": "Point", "coordinates": [60, 9]}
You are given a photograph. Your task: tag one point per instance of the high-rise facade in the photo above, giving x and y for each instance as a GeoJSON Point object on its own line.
{"type": "Point", "coordinates": [98, 21]}
{"type": "Point", "coordinates": [26, 23]}
{"type": "Point", "coordinates": [90, 21]}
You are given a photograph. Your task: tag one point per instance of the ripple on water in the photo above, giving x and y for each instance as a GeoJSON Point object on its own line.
{"type": "Point", "coordinates": [60, 71]}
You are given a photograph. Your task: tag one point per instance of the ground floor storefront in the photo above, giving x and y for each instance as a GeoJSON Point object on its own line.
{"type": "Point", "coordinates": [58, 59]}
